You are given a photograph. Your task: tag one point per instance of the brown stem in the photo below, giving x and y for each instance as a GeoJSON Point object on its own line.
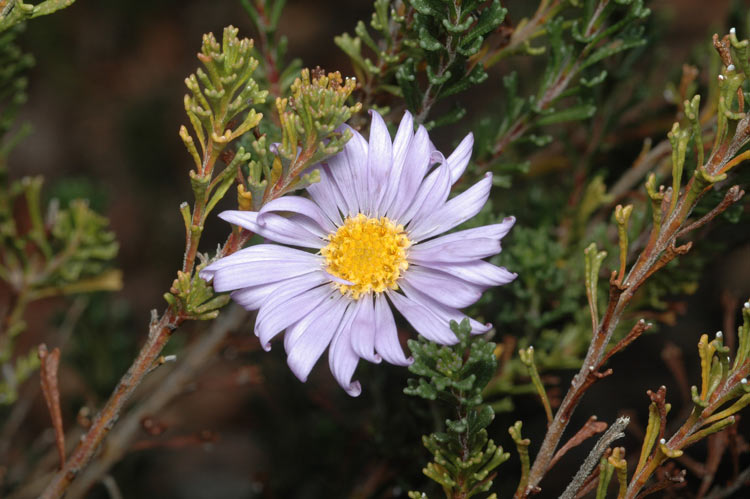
{"type": "Point", "coordinates": [159, 334]}
{"type": "Point", "coordinates": [195, 359]}
{"type": "Point", "coordinates": [48, 377]}
{"type": "Point", "coordinates": [588, 430]}
{"type": "Point", "coordinates": [642, 268]}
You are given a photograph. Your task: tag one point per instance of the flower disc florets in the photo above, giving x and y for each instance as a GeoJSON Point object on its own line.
{"type": "Point", "coordinates": [368, 252]}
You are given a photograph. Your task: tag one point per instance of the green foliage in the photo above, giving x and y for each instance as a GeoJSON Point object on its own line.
{"type": "Point", "coordinates": [427, 50]}
{"type": "Point", "coordinates": [45, 249]}
{"type": "Point", "coordinates": [220, 110]}
{"type": "Point", "coordinates": [15, 373]}
{"type": "Point", "coordinates": [195, 297]}
{"type": "Point", "coordinates": [221, 93]}
{"type": "Point", "coordinates": [13, 83]}
{"type": "Point", "coordinates": [310, 131]}
{"type": "Point", "coordinates": [464, 456]}
{"type": "Point", "coordinates": [68, 250]}
{"type": "Point", "coordinates": [576, 39]}
{"type": "Point", "coordinates": [13, 12]}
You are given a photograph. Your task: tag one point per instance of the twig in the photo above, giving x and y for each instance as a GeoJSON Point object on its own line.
{"type": "Point", "coordinates": [48, 377]}
{"type": "Point", "coordinates": [159, 335]}
{"type": "Point", "coordinates": [112, 489]}
{"type": "Point", "coordinates": [614, 432]}
{"type": "Point", "coordinates": [733, 195]}
{"type": "Point", "coordinates": [717, 445]}
{"type": "Point", "coordinates": [660, 243]}
{"type": "Point", "coordinates": [588, 430]}
{"type": "Point", "coordinates": [666, 482]}
{"type": "Point", "coordinates": [195, 359]}
{"type": "Point", "coordinates": [737, 483]}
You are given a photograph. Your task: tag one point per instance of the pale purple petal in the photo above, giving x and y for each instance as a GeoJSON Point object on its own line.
{"type": "Point", "coordinates": [274, 227]}
{"type": "Point", "coordinates": [296, 330]}
{"type": "Point", "coordinates": [312, 342]}
{"type": "Point", "coordinates": [300, 206]}
{"type": "Point", "coordinates": [347, 184]}
{"type": "Point", "coordinates": [424, 321]}
{"type": "Point", "coordinates": [459, 158]}
{"type": "Point", "coordinates": [453, 251]}
{"type": "Point", "coordinates": [252, 274]}
{"type": "Point", "coordinates": [445, 288]}
{"type": "Point", "coordinates": [454, 212]}
{"type": "Point", "coordinates": [342, 359]}
{"type": "Point", "coordinates": [386, 334]}
{"type": "Point", "coordinates": [478, 272]}
{"type": "Point", "coordinates": [401, 143]}
{"type": "Point", "coordinates": [260, 252]}
{"type": "Point", "coordinates": [363, 330]}
{"type": "Point", "coordinates": [415, 167]}
{"type": "Point", "coordinates": [443, 313]}
{"type": "Point", "coordinates": [327, 195]}
{"type": "Point", "coordinates": [379, 160]}
{"type": "Point", "coordinates": [431, 196]}
{"type": "Point", "coordinates": [356, 153]}
{"type": "Point", "coordinates": [310, 225]}
{"type": "Point", "coordinates": [253, 297]}
{"type": "Point", "coordinates": [493, 231]}
{"type": "Point", "coordinates": [285, 307]}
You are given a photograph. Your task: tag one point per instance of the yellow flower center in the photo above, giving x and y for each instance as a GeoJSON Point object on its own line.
{"type": "Point", "coordinates": [368, 252]}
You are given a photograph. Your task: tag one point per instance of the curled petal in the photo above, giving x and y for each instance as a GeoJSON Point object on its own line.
{"type": "Point", "coordinates": [252, 298]}
{"type": "Point", "coordinates": [274, 227]}
{"type": "Point", "coordinates": [459, 158]}
{"type": "Point", "coordinates": [415, 167]}
{"type": "Point", "coordinates": [327, 195]}
{"type": "Point", "coordinates": [299, 205]}
{"type": "Point", "coordinates": [401, 143]}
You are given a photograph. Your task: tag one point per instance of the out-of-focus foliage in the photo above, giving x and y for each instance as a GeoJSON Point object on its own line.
{"type": "Point", "coordinates": [274, 72]}
{"type": "Point", "coordinates": [62, 251]}
{"type": "Point", "coordinates": [13, 83]}
{"type": "Point", "coordinates": [45, 249]}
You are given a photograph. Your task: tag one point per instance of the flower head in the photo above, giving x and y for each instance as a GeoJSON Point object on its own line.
{"type": "Point", "coordinates": [373, 223]}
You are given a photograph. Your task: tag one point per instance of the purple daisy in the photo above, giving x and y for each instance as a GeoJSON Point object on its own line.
{"type": "Point", "coordinates": [372, 221]}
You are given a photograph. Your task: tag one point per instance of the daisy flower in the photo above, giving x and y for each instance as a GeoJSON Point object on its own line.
{"type": "Point", "coordinates": [372, 223]}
